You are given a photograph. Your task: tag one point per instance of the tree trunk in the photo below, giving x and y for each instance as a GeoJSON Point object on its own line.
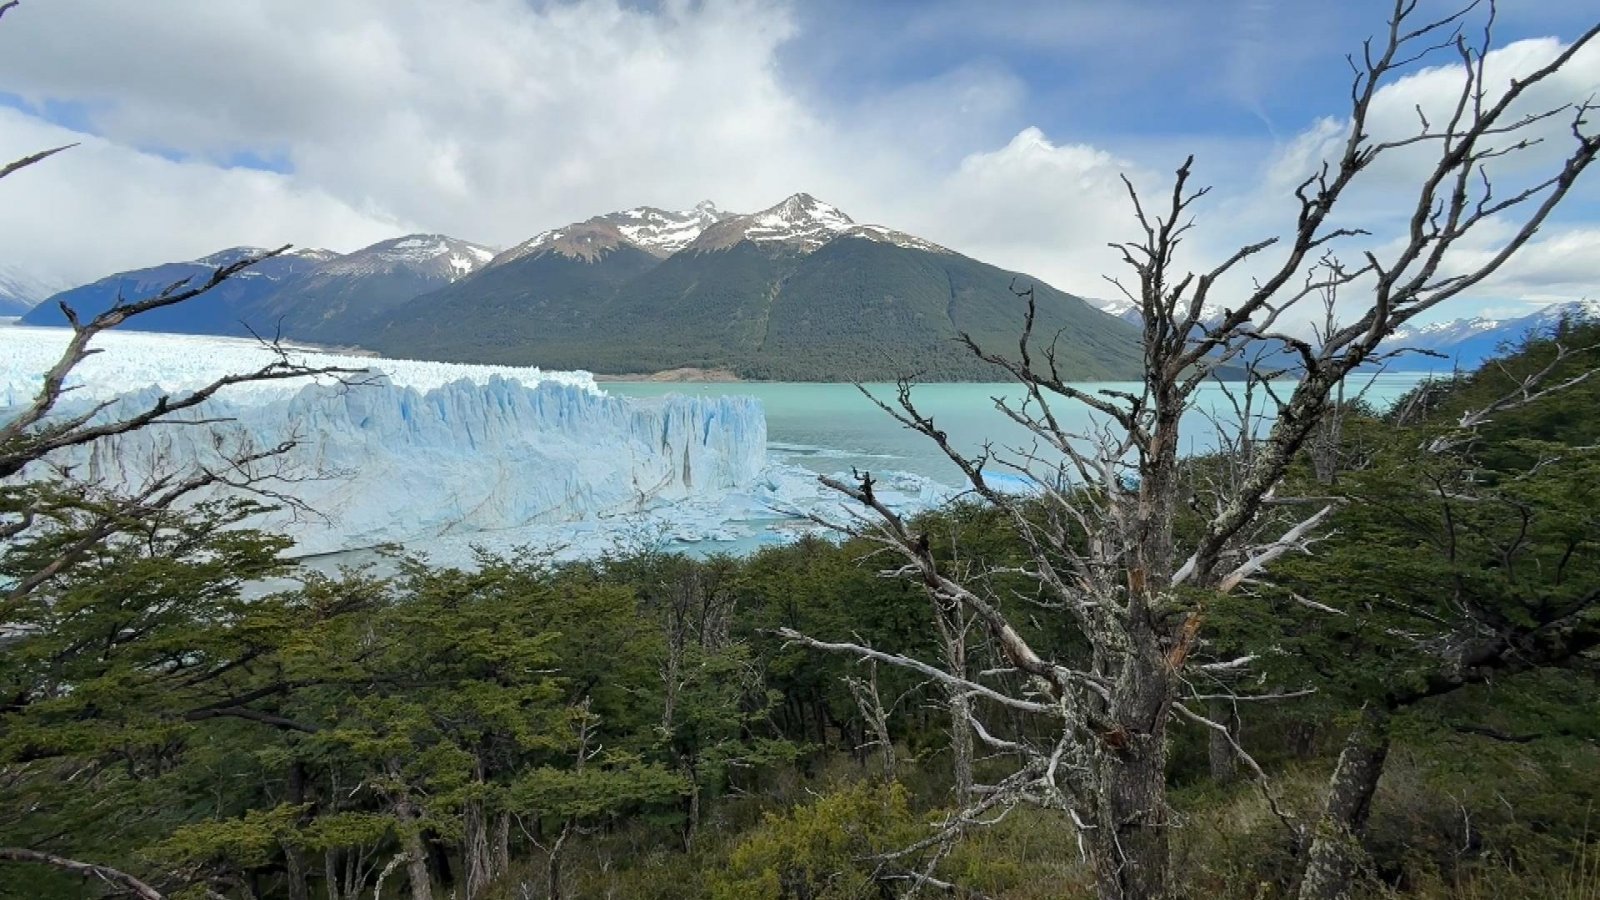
{"type": "Point", "coordinates": [961, 745]}
{"type": "Point", "coordinates": [475, 856]}
{"type": "Point", "coordinates": [1128, 845]}
{"type": "Point", "coordinates": [294, 872]}
{"type": "Point", "coordinates": [502, 844]}
{"type": "Point", "coordinates": [1224, 761]}
{"type": "Point", "coordinates": [416, 853]}
{"type": "Point", "coordinates": [691, 823]}
{"type": "Point", "coordinates": [1336, 853]}
{"type": "Point", "coordinates": [1129, 841]}
{"type": "Point", "coordinates": [294, 859]}
{"type": "Point", "coordinates": [330, 874]}
{"type": "Point", "coordinates": [553, 870]}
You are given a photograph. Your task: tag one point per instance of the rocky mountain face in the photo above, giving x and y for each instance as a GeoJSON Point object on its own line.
{"type": "Point", "coordinates": [226, 309]}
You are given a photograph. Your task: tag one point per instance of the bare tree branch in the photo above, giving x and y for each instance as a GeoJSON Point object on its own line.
{"type": "Point", "coordinates": [122, 881]}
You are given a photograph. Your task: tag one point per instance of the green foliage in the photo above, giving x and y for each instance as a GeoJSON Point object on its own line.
{"type": "Point", "coordinates": [854, 309]}
{"type": "Point", "coordinates": [822, 850]}
{"type": "Point", "coordinates": [154, 718]}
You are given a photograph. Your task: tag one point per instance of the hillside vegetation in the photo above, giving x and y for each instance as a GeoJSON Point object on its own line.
{"type": "Point", "coordinates": [634, 727]}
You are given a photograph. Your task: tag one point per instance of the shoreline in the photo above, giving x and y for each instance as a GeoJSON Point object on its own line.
{"type": "Point", "coordinates": [682, 375]}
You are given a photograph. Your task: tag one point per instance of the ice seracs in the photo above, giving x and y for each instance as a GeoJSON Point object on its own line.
{"type": "Point", "coordinates": [407, 451]}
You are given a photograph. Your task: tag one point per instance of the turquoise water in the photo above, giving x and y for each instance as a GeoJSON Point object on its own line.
{"type": "Point", "coordinates": [830, 427]}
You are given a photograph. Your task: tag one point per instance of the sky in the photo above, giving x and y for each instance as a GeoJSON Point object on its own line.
{"type": "Point", "coordinates": [998, 128]}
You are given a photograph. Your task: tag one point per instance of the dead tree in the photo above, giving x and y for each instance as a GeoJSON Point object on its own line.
{"type": "Point", "coordinates": [1097, 526]}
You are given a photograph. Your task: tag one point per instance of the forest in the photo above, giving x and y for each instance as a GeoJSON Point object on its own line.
{"type": "Point", "coordinates": [640, 726]}
{"type": "Point", "coordinates": [1338, 652]}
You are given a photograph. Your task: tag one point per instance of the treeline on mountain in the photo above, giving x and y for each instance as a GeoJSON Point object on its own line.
{"type": "Point", "coordinates": [854, 309]}
{"type": "Point", "coordinates": [634, 727]}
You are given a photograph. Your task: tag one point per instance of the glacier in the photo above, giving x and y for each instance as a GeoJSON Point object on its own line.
{"type": "Point", "coordinates": [407, 453]}
{"type": "Point", "coordinates": [443, 458]}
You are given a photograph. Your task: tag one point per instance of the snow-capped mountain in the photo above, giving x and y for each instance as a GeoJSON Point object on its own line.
{"type": "Point", "coordinates": [333, 302]}
{"type": "Point", "coordinates": [657, 232]}
{"type": "Point", "coordinates": [234, 254]}
{"type": "Point", "coordinates": [21, 291]}
{"type": "Point", "coordinates": [1127, 311]}
{"type": "Point", "coordinates": [426, 255]}
{"type": "Point", "coordinates": [665, 233]}
{"type": "Point", "coordinates": [801, 222]}
{"type": "Point", "coordinates": [1465, 343]}
{"type": "Point", "coordinates": [797, 291]}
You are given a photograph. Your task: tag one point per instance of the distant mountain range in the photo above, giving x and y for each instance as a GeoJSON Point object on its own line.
{"type": "Point", "coordinates": [798, 291]}
{"type": "Point", "coordinates": [1457, 344]}
{"type": "Point", "coordinates": [1465, 343]}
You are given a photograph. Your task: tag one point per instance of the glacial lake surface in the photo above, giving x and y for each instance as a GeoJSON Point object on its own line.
{"type": "Point", "coordinates": [828, 428]}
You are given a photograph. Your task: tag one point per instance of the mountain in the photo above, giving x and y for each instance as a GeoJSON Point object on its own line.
{"type": "Point", "coordinates": [21, 291]}
{"type": "Point", "coordinates": [221, 310]}
{"type": "Point", "coordinates": [799, 291]}
{"type": "Point", "coordinates": [657, 232]}
{"type": "Point", "coordinates": [1129, 312]}
{"type": "Point", "coordinates": [1466, 343]}
{"type": "Point", "coordinates": [1459, 343]}
{"type": "Point", "coordinates": [336, 302]}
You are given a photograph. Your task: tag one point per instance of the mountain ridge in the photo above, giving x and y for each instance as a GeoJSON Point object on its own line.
{"type": "Point", "coordinates": [799, 291]}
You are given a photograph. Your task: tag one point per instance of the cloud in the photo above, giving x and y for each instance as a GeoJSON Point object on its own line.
{"type": "Point", "coordinates": [490, 122]}
{"type": "Point", "coordinates": [1558, 264]}
{"type": "Point", "coordinates": [1036, 206]}
{"type": "Point", "coordinates": [102, 207]}
{"type": "Point", "coordinates": [494, 119]}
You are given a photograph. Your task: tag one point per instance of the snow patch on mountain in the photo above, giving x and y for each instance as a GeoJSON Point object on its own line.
{"type": "Point", "coordinates": [664, 233]}
{"type": "Point", "coordinates": [1129, 312]}
{"type": "Point", "coordinates": [801, 222]}
{"type": "Point", "coordinates": [658, 232]}
{"type": "Point", "coordinates": [423, 254]}
{"type": "Point", "coordinates": [890, 236]}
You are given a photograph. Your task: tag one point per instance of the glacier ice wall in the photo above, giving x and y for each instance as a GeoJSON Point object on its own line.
{"type": "Point", "coordinates": [379, 463]}
{"type": "Point", "coordinates": [385, 462]}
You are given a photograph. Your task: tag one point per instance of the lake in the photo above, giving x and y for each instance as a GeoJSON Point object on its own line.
{"type": "Point", "coordinates": [828, 428]}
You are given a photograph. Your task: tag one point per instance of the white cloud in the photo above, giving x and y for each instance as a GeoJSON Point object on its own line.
{"type": "Point", "coordinates": [102, 207]}
{"type": "Point", "coordinates": [494, 119]}
{"type": "Point", "coordinates": [1037, 207]}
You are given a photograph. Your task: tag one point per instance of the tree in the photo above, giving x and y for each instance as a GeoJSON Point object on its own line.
{"type": "Point", "coordinates": [1101, 526]}
{"type": "Point", "coordinates": [1485, 509]}
{"type": "Point", "coordinates": [52, 525]}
